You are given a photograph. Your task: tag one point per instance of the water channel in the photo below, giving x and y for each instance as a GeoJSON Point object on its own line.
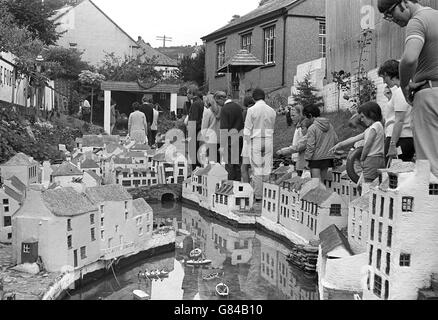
{"type": "Point", "coordinates": [252, 264]}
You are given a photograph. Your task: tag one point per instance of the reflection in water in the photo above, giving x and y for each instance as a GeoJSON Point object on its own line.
{"type": "Point", "coordinates": [252, 264]}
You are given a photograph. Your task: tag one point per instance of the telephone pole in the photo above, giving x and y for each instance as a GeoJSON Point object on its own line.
{"type": "Point", "coordinates": [164, 39]}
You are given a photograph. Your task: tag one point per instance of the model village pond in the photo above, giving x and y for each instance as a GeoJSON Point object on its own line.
{"type": "Point", "coordinates": [252, 264]}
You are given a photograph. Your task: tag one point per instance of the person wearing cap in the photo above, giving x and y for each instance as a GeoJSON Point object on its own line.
{"type": "Point", "coordinates": [419, 71]}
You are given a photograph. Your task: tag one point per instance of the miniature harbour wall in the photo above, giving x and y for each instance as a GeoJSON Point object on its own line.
{"type": "Point", "coordinates": [156, 193]}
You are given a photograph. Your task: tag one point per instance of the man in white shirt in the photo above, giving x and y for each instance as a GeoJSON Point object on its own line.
{"type": "Point", "coordinates": [397, 113]}
{"type": "Point", "coordinates": [259, 135]}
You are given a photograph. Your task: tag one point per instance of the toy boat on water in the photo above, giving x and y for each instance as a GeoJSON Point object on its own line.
{"type": "Point", "coordinates": [211, 276]}
{"type": "Point", "coordinates": [195, 253]}
{"type": "Point", "coordinates": [200, 262]}
{"type": "Point", "coordinates": [140, 295]}
{"type": "Point", "coordinates": [222, 289]}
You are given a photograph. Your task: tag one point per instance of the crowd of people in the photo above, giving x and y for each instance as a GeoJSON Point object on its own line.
{"type": "Point", "coordinates": [143, 122]}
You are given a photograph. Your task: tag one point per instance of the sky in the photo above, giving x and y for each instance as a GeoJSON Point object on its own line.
{"type": "Point", "coordinates": [185, 21]}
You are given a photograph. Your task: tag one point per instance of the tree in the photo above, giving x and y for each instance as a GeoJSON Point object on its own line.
{"type": "Point", "coordinates": [343, 82]}
{"type": "Point", "coordinates": [306, 94]}
{"type": "Point", "coordinates": [91, 80]}
{"type": "Point", "coordinates": [65, 63]}
{"type": "Point", "coordinates": [35, 17]}
{"type": "Point", "coordinates": [141, 70]}
{"type": "Point", "coordinates": [193, 69]}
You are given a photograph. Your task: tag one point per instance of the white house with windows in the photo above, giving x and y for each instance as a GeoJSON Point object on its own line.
{"type": "Point", "coordinates": [358, 218]}
{"type": "Point", "coordinates": [233, 196]}
{"type": "Point", "coordinates": [270, 201]}
{"type": "Point", "coordinates": [25, 168]}
{"type": "Point", "coordinates": [10, 202]}
{"type": "Point", "coordinates": [402, 242]}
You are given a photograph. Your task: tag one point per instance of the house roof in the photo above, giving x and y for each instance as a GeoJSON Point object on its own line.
{"type": "Point", "coordinates": [362, 202]}
{"type": "Point", "coordinates": [340, 169]}
{"type": "Point", "coordinates": [94, 176]}
{"type": "Point", "coordinates": [161, 157]}
{"type": "Point", "coordinates": [331, 238]}
{"type": "Point", "coordinates": [227, 188]}
{"type": "Point", "coordinates": [98, 141]}
{"type": "Point", "coordinates": [118, 160]}
{"type": "Point", "coordinates": [66, 169]}
{"type": "Point", "coordinates": [400, 167]}
{"type": "Point", "coordinates": [67, 202]}
{"type": "Point", "coordinates": [242, 60]}
{"type": "Point", "coordinates": [161, 58]}
{"type": "Point", "coordinates": [111, 147]}
{"type": "Point", "coordinates": [89, 164]}
{"type": "Point", "coordinates": [17, 184]}
{"type": "Point", "coordinates": [135, 154]}
{"type": "Point", "coordinates": [141, 206]}
{"type": "Point", "coordinates": [135, 87]}
{"type": "Point", "coordinates": [296, 183]}
{"type": "Point", "coordinates": [140, 147]}
{"type": "Point", "coordinates": [108, 193]}
{"type": "Point", "coordinates": [20, 159]}
{"type": "Point", "coordinates": [271, 7]}
{"type": "Point", "coordinates": [13, 194]}
{"type": "Point", "coordinates": [318, 195]}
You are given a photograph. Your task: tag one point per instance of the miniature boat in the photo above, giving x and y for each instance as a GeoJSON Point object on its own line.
{"type": "Point", "coordinates": [211, 276]}
{"type": "Point", "coordinates": [140, 295]}
{"type": "Point", "coordinates": [154, 274]}
{"type": "Point", "coordinates": [195, 253]}
{"type": "Point", "coordinates": [222, 289]}
{"type": "Point", "coordinates": [200, 262]}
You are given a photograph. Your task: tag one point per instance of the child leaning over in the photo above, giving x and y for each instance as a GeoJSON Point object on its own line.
{"type": "Point", "coordinates": [299, 148]}
{"type": "Point", "coordinates": [372, 157]}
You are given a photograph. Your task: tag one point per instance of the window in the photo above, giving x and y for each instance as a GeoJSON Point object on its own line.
{"type": "Point", "coordinates": [101, 222]}
{"type": "Point", "coordinates": [273, 207]}
{"type": "Point", "coordinates": [91, 218]}
{"type": "Point", "coordinates": [377, 285]}
{"type": "Point", "coordinates": [102, 234]}
{"type": "Point", "coordinates": [220, 58]}
{"type": "Point", "coordinates": [265, 192]}
{"type": "Point", "coordinates": [101, 209]}
{"type": "Point", "coordinates": [386, 289]}
{"type": "Point", "coordinates": [382, 206]}
{"type": "Point", "coordinates": [140, 231]}
{"type": "Point", "coordinates": [370, 260]}
{"type": "Point", "coordinates": [69, 225]}
{"type": "Point", "coordinates": [273, 194]}
{"type": "Point", "coordinates": [354, 192]}
{"type": "Point", "coordinates": [374, 203]}
{"type": "Point", "coordinates": [393, 181]}
{"type": "Point", "coordinates": [69, 242]}
{"type": "Point", "coordinates": [389, 239]}
{"type": "Point", "coordinates": [407, 204]}
{"type": "Point", "coordinates": [126, 215]}
{"type": "Point", "coordinates": [126, 183]}
{"type": "Point", "coordinates": [269, 206]}
{"type": "Point", "coordinates": [372, 230]}
{"type": "Point", "coordinates": [391, 208]}
{"type": "Point", "coordinates": [6, 202]}
{"type": "Point", "coordinates": [116, 229]}
{"type": "Point", "coordinates": [269, 45]}
{"type": "Point", "coordinates": [380, 231]}
{"type": "Point", "coordinates": [7, 221]}
{"type": "Point", "coordinates": [360, 233]}
{"type": "Point", "coordinates": [83, 253]}
{"type": "Point", "coordinates": [433, 189]}
{"type": "Point", "coordinates": [246, 42]}
{"type": "Point", "coordinates": [388, 263]}
{"type": "Point", "coordinates": [93, 234]}
{"type": "Point", "coordinates": [343, 189]}
{"type": "Point", "coordinates": [181, 172]}
{"type": "Point", "coordinates": [26, 248]}
{"type": "Point", "coordinates": [379, 259]}
{"type": "Point", "coordinates": [405, 260]}
{"type": "Point", "coordinates": [335, 210]}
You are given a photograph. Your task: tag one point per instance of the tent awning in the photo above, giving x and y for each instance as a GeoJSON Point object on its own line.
{"type": "Point", "coordinates": [135, 87]}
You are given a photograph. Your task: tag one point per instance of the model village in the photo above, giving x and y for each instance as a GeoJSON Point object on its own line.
{"type": "Point", "coordinates": [70, 225]}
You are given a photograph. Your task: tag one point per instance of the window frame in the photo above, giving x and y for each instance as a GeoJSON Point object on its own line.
{"type": "Point", "coordinates": [269, 45]}
{"type": "Point", "coordinates": [244, 45]}
{"type": "Point", "coordinates": [220, 55]}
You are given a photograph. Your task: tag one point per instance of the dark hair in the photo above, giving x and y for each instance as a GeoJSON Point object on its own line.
{"type": "Point", "coordinates": [258, 94]}
{"type": "Point", "coordinates": [136, 106]}
{"type": "Point", "coordinates": [371, 110]}
{"type": "Point", "coordinates": [248, 101]}
{"type": "Point", "coordinates": [311, 111]}
{"type": "Point", "coordinates": [194, 90]}
{"type": "Point", "coordinates": [384, 5]}
{"type": "Point", "coordinates": [390, 68]}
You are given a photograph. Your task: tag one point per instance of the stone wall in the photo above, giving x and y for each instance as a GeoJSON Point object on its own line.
{"type": "Point", "coordinates": [156, 193]}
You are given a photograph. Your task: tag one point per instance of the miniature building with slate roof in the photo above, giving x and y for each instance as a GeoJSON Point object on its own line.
{"type": "Point", "coordinates": [23, 167]}
{"type": "Point", "coordinates": [358, 218]}
{"type": "Point", "coordinates": [232, 196]}
{"type": "Point", "coordinates": [108, 193]}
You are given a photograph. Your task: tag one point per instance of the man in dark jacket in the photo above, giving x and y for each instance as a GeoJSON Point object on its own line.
{"type": "Point", "coordinates": [148, 109]}
{"type": "Point", "coordinates": [231, 118]}
{"type": "Point", "coordinates": [196, 113]}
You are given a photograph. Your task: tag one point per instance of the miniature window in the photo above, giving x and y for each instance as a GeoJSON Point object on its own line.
{"type": "Point", "coordinates": [102, 234]}
{"type": "Point", "coordinates": [405, 260]}
{"type": "Point", "coordinates": [91, 218]}
{"type": "Point", "coordinates": [83, 253]}
{"type": "Point", "coordinates": [6, 202]}
{"type": "Point", "coordinates": [140, 231]}
{"type": "Point", "coordinates": [269, 193]}
{"type": "Point", "coordinates": [273, 207]}
{"type": "Point", "coordinates": [69, 225]}
{"type": "Point", "coordinates": [393, 181]}
{"type": "Point", "coordinates": [360, 233]}
{"type": "Point", "coordinates": [93, 234]}
{"type": "Point", "coordinates": [26, 248]}
{"type": "Point", "coordinates": [239, 257]}
{"type": "Point", "coordinates": [265, 192]}
{"type": "Point", "coordinates": [335, 210]}
{"type": "Point", "coordinates": [388, 263]}
{"type": "Point", "coordinates": [407, 204]}
{"type": "Point", "coordinates": [389, 238]}
{"type": "Point", "coordinates": [372, 230]}
{"type": "Point", "coordinates": [386, 289]}
{"type": "Point", "coordinates": [382, 206]}
{"type": "Point", "coordinates": [370, 257]}
{"type": "Point", "coordinates": [101, 222]}
{"type": "Point", "coordinates": [374, 203]}
{"type": "Point", "coordinates": [379, 259]}
{"type": "Point", "coordinates": [377, 285]}
{"type": "Point", "coordinates": [69, 242]}
{"type": "Point", "coordinates": [354, 192]}
{"type": "Point", "coordinates": [433, 189]}
{"type": "Point", "coordinates": [220, 57]}
{"type": "Point", "coordinates": [126, 215]}
{"type": "Point", "coordinates": [380, 231]}
{"type": "Point", "coordinates": [7, 221]}
{"type": "Point", "coordinates": [273, 194]}
{"type": "Point", "coordinates": [391, 208]}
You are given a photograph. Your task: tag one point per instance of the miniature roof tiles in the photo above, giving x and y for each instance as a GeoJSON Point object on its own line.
{"type": "Point", "coordinates": [13, 194]}
{"type": "Point", "coordinates": [317, 195]}
{"type": "Point", "coordinates": [66, 169]}
{"type": "Point", "coordinates": [67, 202]}
{"type": "Point", "coordinates": [89, 164]}
{"type": "Point", "coordinates": [17, 184]}
{"type": "Point", "coordinates": [296, 183]}
{"type": "Point", "coordinates": [227, 188]}
{"type": "Point", "coordinates": [94, 176]}
{"type": "Point", "coordinates": [108, 193]}
{"type": "Point", "coordinates": [20, 159]}
{"type": "Point", "coordinates": [141, 206]}
{"type": "Point", "coordinates": [362, 202]}
{"type": "Point", "coordinates": [331, 238]}
{"type": "Point", "coordinates": [118, 160]}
